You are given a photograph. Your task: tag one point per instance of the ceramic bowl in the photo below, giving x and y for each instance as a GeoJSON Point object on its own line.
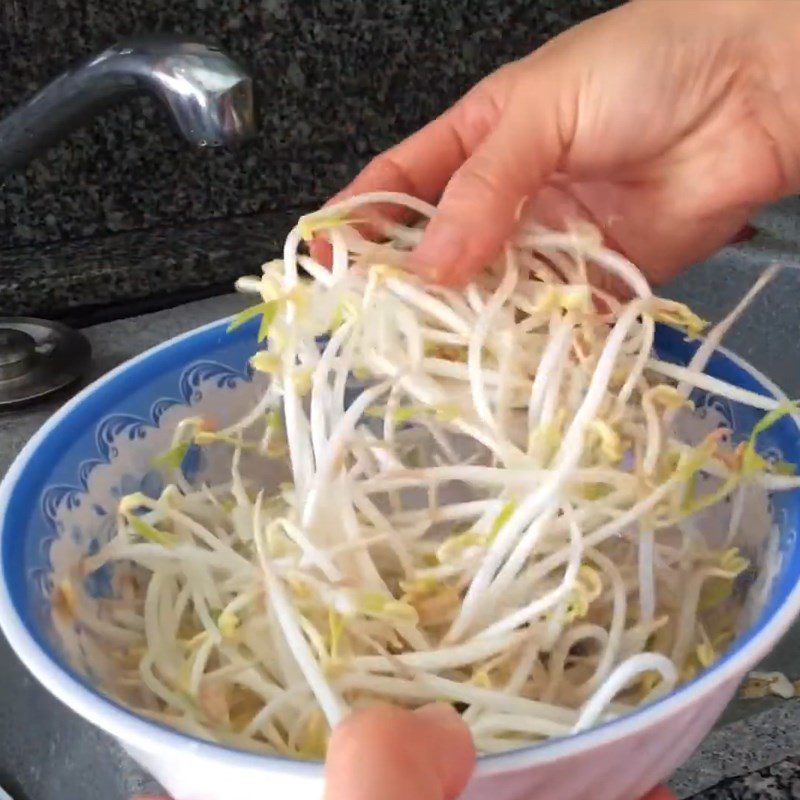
{"type": "Point", "coordinates": [58, 502]}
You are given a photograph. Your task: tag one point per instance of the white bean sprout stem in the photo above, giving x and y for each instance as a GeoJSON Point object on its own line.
{"type": "Point", "coordinates": [490, 505]}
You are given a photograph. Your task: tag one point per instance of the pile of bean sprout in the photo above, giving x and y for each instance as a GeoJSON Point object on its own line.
{"type": "Point", "coordinates": [489, 504]}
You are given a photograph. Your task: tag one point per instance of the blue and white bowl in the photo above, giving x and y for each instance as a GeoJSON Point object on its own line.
{"type": "Point", "coordinates": [58, 500]}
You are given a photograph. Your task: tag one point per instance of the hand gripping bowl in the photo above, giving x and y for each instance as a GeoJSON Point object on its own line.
{"type": "Point", "coordinates": [58, 501]}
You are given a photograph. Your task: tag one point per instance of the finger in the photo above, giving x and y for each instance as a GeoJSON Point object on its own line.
{"type": "Point", "coordinates": [396, 754]}
{"type": "Point", "coordinates": [482, 201]}
{"type": "Point", "coordinates": [422, 164]}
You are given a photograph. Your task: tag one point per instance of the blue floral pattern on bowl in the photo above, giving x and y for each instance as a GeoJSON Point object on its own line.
{"type": "Point", "coordinates": [115, 457]}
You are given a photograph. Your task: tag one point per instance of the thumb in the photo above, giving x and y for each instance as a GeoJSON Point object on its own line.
{"type": "Point", "coordinates": [396, 754]}
{"type": "Point", "coordinates": [482, 203]}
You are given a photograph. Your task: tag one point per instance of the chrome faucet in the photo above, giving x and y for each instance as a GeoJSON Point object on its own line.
{"type": "Point", "coordinates": [208, 96]}
{"type": "Point", "coordinates": [210, 101]}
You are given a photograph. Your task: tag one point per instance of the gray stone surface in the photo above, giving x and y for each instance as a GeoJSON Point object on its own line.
{"type": "Point", "coordinates": [340, 80]}
{"type": "Point", "coordinates": [779, 781]}
{"type": "Point", "coordinates": [734, 751]}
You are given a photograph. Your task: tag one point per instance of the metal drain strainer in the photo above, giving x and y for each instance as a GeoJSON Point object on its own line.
{"type": "Point", "coordinates": [37, 358]}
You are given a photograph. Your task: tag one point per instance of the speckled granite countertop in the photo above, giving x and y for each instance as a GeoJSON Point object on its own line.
{"type": "Point", "coordinates": [124, 210]}
{"type": "Point", "coordinates": [339, 80]}
{"type": "Point", "coordinates": [780, 781]}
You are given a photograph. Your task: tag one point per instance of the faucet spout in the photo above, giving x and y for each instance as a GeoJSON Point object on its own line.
{"type": "Point", "coordinates": [208, 96]}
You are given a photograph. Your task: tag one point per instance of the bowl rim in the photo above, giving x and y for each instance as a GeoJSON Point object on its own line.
{"type": "Point", "coordinates": [148, 736]}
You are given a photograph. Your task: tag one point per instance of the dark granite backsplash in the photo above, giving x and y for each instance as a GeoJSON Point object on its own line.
{"type": "Point", "coordinates": [338, 80]}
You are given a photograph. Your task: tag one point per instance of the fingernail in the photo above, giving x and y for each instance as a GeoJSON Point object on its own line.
{"type": "Point", "coordinates": [439, 251]}
{"type": "Point", "coordinates": [442, 715]}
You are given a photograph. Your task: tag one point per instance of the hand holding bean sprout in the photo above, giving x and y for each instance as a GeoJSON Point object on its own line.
{"type": "Point", "coordinates": [664, 124]}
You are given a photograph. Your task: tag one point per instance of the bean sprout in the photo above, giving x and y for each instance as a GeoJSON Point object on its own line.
{"type": "Point", "coordinates": [489, 505]}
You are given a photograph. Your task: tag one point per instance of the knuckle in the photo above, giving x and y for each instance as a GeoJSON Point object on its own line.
{"type": "Point", "coordinates": [385, 169]}
{"type": "Point", "coordinates": [481, 178]}
{"type": "Point", "coordinates": [476, 117]}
